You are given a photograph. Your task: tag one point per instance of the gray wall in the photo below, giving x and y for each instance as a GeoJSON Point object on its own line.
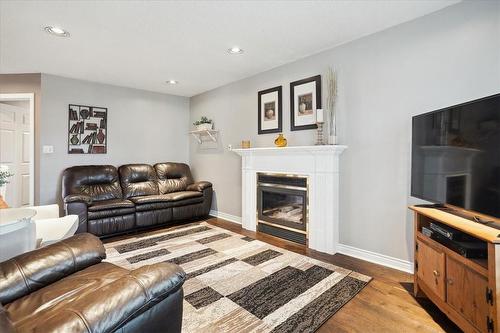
{"type": "Point", "coordinates": [441, 59]}
{"type": "Point", "coordinates": [143, 127]}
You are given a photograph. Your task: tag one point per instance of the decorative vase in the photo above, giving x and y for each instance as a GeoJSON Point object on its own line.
{"type": "Point", "coordinates": [84, 114]}
{"type": "Point", "coordinates": [330, 127]}
{"type": "Point", "coordinates": [302, 107]}
{"type": "Point", "coordinates": [204, 127]}
{"type": "Point", "coordinates": [100, 136]}
{"type": "Point", "coordinates": [3, 204]}
{"type": "Point", "coordinates": [74, 140]}
{"type": "Point", "coordinates": [331, 100]}
{"type": "Point", "coordinates": [280, 141]}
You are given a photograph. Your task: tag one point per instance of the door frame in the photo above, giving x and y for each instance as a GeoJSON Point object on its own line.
{"type": "Point", "coordinates": [30, 97]}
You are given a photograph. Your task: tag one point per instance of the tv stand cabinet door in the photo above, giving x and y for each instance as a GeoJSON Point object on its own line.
{"type": "Point", "coordinates": [431, 269]}
{"type": "Point", "coordinates": [466, 293]}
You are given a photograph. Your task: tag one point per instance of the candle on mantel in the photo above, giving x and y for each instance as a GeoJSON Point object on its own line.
{"type": "Point", "coordinates": [319, 116]}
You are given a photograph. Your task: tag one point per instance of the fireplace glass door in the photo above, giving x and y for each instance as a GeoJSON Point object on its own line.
{"type": "Point", "coordinates": [281, 204]}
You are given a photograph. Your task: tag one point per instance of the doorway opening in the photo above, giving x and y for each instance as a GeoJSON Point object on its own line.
{"type": "Point", "coordinates": [17, 148]}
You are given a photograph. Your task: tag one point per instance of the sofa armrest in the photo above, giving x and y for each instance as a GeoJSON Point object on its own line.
{"type": "Point", "coordinates": [199, 186]}
{"type": "Point", "coordinates": [36, 269]}
{"type": "Point", "coordinates": [113, 305]}
{"type": "Point", "coordinates": [77, 198]}
{"type": "Point", "coordinates": [78, 208]}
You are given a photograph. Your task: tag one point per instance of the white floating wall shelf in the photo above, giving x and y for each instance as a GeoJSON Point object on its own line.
{"type": "Point", "coordinates": [200, 134]}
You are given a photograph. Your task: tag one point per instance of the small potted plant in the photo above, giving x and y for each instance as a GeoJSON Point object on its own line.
{"type": "Point", "coordinates": [203, 124]}
{"type": "Point", "coordinates": [4, 175]}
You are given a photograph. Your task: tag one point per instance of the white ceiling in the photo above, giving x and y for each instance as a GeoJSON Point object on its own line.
{"type": "Point", "coordinates": [141, 44]}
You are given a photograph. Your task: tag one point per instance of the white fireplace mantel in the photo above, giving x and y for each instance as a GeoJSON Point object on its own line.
{"type": "Point", "coordinates": [320, 164]}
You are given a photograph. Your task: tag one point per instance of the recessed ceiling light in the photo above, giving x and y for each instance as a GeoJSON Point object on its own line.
{"type": "Point", "coordinates": [235, 50]}
{"type": "Point", "coordinates": [172, 81]}
{"type": "Point", "coordinates": [56, 31]}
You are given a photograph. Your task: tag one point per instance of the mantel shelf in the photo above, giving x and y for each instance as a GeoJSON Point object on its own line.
{"type": "Point", "coordinates": [319, 149]}
{"type": "Point", "coordinates": [199, 134]}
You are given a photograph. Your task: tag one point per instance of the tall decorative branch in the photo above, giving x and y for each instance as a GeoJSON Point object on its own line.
{"type": "Point", "coordinates": [330, 103]}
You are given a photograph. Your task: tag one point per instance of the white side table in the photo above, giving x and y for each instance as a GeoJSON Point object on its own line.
{"type": "Point", "coordinates": [17, 232]}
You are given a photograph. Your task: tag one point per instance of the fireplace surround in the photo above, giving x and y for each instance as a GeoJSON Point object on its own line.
{"type": "Point", "coordinates": [320, 164]}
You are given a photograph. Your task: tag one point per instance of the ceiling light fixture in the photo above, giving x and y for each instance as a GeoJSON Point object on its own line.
{"type": "Point", "coordinates": [172, 81]}
{"type": "Point", "coordinates": [235, 50]}
{"type": "Point", "coordinates": [56, 31]}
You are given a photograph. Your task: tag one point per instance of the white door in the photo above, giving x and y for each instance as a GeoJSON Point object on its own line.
{"type": "Point", "coordinates": [15, 143]}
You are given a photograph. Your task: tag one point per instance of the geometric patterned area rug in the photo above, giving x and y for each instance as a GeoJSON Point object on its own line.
{"type": "Point", "coordinates": [235, 283]}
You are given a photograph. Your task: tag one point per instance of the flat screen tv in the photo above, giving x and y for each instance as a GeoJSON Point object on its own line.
{"type": "Point", "coordinates": [456, 156]}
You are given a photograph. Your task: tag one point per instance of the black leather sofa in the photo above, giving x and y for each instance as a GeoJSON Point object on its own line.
{"type": "Point", "coordinates": [112, 201]}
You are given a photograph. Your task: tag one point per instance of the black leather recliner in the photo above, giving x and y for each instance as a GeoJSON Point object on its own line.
{"type": "Point", "coordinates": [110, 201]}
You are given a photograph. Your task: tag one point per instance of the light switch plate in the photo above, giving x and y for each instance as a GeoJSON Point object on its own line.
{"type": "Point", "coordinates": [48, 149]}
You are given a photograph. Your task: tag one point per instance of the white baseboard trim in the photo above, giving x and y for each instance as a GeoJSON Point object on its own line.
{"type": "Point", "coordinates": [225, 216]}
{"type": "Point", "coordinates": [376, 258]}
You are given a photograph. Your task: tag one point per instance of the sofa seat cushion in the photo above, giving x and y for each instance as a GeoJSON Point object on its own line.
{"type": "Point", "coordinates": [162, 201]}
{"type": "Point", "coordinates": [148, 199]}
{"type": "Point", "coordinates": [170, 197]}
{"type": "Point", "coordinates": [110, 204]}
{"type": "Point", "coordinates": [44, 302]}
{"type": "Point", "coordinates": [185, 198]}
{"type": "Point", "coordinates": [183, 195]}
{"type": "Point", "coordinates": [110, 208]}
{"type": "Point", "coordinates": [153, 206]}
{"type": "Point", "coordinates": [151, 202]}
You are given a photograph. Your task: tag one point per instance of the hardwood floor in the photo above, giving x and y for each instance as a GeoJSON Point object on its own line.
{"type": "Point", "coordinates": [385, 305]}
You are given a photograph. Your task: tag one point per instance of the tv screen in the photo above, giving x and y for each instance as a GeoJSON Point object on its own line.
{"type": "Point", "coordinates": [456, 156]}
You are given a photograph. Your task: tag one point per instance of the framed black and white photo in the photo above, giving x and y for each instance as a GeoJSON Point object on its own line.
{"type": "Point", "coordinates": [305, 99]}
{"type": "Point", "coordinates": [270, 111]}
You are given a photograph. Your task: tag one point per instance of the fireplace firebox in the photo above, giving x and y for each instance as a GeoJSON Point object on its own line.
{"type": "Point", "coordinates": [282, 206]}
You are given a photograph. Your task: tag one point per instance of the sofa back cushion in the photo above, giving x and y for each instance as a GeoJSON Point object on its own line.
{"type": "Point", "coordinates": [39, 268]}
{"type": "Point", "coordinates": [99, 182]}
{"type": "Point", "coordinates": [173, 177]}
{"type": "Point", "coordinates": [138, 180]}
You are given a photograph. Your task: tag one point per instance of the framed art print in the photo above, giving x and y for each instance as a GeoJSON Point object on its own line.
{"type": "Point", "coordinates": [305, 98]}
{"type": "Point", "coordinates": [87, 129]}
{"type": "Point", "coordinates": [270, 111]}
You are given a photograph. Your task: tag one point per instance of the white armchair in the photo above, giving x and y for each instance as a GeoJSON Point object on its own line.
{"type": "Point", "coordinates": [51, 228]}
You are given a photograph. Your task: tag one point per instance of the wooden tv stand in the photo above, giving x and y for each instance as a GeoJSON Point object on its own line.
{"type": "Point", "coordinates": [466, 290]}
